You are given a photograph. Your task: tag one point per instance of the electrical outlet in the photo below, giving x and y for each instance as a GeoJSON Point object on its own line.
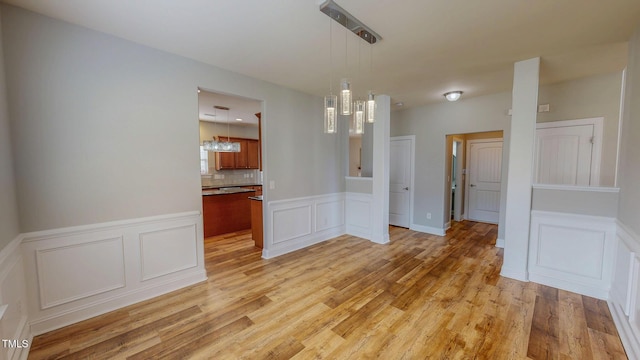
{"type": "Point", "coordinates": [272, 184]}
{"type": "Point", "coordinates": [428, 216]}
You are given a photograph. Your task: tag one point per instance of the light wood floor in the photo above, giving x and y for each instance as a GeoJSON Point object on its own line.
{"type": "Point", "coordinates": [419, 297]}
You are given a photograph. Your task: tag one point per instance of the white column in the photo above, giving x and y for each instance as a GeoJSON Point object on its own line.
{"type": "Point", "coordinates": [521, 143]}
{"type": "Point", "coordinates": [381, 138]}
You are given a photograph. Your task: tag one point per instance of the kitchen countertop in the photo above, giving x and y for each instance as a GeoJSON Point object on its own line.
{"type": "Point", "coordinates": [225, 191]}
{"type": "Point", "coordinates": [212, 187]}
{"type": "Point", "coordinates": [258, 198]}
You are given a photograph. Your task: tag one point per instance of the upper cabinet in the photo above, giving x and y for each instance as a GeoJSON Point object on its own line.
{"type": "Point", "coordinates": [247, 158]}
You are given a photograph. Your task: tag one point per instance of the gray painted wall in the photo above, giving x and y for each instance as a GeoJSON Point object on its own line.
{"type": "Point", "coordinates": [9, 225]}
{"type": "Point", "coordinates": [430, 124]}
{"type": "Point", "coordinates": [594, 96]}
{"type": "Point", "coordinates": [105, 129]}
{"type": "Point", "coordinates": [593, 203]}
{"type": "Point", "coordinates": [629, 174]}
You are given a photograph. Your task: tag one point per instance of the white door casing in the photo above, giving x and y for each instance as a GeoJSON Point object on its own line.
{"type": "Point", "coordinates": [568, 152]}
{"type": "Point", "coordinates": [400, 180]}
{"type": "Point", "coordinates": [484, 172]}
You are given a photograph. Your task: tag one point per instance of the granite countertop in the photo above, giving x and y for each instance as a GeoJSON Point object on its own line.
{"type": "Point", "coordinates": [258, 198]}
{"type": "Point", "coordinates": [225, 191]}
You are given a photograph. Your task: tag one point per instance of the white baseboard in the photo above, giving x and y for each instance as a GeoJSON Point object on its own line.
{"type": "Point", "coordinates": [136, 259]}
{"type": "Point", "coordinates": [514, 274]}
{"type": "Point", "coordinates": [14, 317]}
{"type": "Point", "coordinates": [582, 289]}
{"type": "Point", "coordinates": [500, 243]}
{"type": "Point", "coordinates": [297, 223]}
{"type": "Point", "coordinates": [428, 229]}
{"type": "Point", "coordinates": [630, 342]}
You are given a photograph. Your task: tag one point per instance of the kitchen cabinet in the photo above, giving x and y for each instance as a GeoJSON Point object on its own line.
{"type": "Point", "coordinates": [226, 213]}
{"type": "Point", "coordinates": [256, 221]}
{"type": "Point", "coordinates": [247, 158]}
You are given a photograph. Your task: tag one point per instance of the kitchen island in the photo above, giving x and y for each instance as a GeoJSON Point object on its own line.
{"type": "Point", "coordinates": [226, 210]}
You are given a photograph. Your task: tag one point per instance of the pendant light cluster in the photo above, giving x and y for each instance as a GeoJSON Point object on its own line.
{"type": "Point", "coordinates": [361, 110]}
{"type": "Point", "coordinates": [221, 145]}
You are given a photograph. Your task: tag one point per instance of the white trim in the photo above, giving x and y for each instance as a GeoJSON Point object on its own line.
{"type": "Point", "coordinates": [412, 164]}
{"type": "Point", "coordinates": [514, 274]}
{"type": "Point", "coordinates": [620, 121]}
{"type": "Point", "coordinates": [555, 236]}
{"type": "Point", "coordinates": [500, 243]}
{"type": "Point", "coordinates": [307, 233]}
{"type": "Point", "coordinates": [630, 342]}
{"type": "Point", "coordinates": [82, 301]}
{"type": "Point", "coordinates": [596, 150]}
{"type": "Point", "coordinates": [73, 230]}
{"type": "Point", "coordinates": [358, 222]}
{"type": "Point", "coordinates": [628, 332]}
{"type": "Point", "coordinates": [14, 296]}
{"type": "Point", "coordinates": [576, 188]}
{"type": "Point", "coordinates": [359, 178]}
{"type": "Point", "coordinates": [428, 229]}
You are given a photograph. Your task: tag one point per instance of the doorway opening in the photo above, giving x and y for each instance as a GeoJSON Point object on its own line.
{"type": "Point", "coordinates": [473, 171]}
{"type": "Point", "coordinates": [231, 181]}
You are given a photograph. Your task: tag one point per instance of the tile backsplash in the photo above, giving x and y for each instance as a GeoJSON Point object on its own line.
{"type": "Point", "coordinates": [231, 177]}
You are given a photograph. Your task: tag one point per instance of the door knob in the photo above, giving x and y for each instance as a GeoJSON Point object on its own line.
{"type": "Point", "coordinates": [407, 188]}
{"type": "Point", "coordinates": [472, 185]}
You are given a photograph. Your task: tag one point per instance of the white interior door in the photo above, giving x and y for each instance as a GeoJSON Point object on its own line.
{"type": "Point", "coordinates": [400, 169]}
{"type": "Point", "coordinates": [566, 155]}
{"type": "Point", "coordinates": [484, 174]}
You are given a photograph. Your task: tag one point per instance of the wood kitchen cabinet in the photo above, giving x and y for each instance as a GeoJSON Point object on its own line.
{"type": "Point", "coordinates": [247, 158]}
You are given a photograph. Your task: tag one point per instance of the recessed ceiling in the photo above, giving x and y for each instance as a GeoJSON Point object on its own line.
{"type": "Point", "coordinates": [427, 47]}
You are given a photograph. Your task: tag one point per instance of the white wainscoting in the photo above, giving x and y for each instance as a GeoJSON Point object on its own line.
{"type": "Point", "coordinates": [14, 320]}
{"type": "Point", "coordinates": [76, 273]}
{"type": "Point", "coordinates": [294, 224]}
{"type": "Point", "coordinates": [359, 215]}
{"type": "Point", "coordinates": [572, 252]}
{"type": "Point", "coordinates": [624, 300]}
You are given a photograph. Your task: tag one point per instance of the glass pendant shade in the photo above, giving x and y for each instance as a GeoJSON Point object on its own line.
{"type": "Point", "coordinates": [330, 114]}
{"type": "Point", "coordinates": [221, 146]}
{"type": "Point", "coordinates": [345, 98]}
{"type": "Point", "coordinates": [371, 108]}
{"type": "Point", "coordinates": [358, 116]}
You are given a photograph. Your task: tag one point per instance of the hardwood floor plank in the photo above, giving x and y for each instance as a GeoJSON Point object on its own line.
{"type": "Point", "coordinates": [543, 341]}
{"type": "Point", "coordinates": [420, 296]}
{"type": "Point", "coordinates": [598, 316]}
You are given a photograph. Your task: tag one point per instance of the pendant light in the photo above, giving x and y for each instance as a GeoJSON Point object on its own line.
{"type": "Point", "coordinates": [218, 145]}
{"type": "Point", "coordinates": [345, 85]}
{"type": "Point", "coordinates": [371, 101]}
{"type": "Point", "coordinates": [358, 117]}
{"type": "Point", "coordinates": [345, 96]}
{"type": "Point", "coordinates": [371, 108]}
{"type": "Point", "coordinates": [330, 101]}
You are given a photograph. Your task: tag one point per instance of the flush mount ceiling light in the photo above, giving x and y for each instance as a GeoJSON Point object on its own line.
{"type": "Point", "coordinates": [453, 95]}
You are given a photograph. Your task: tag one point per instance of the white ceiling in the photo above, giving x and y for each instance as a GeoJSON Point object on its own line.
{"type": "Point", "coordinates": [239, 108]}
{"type": "Point", "coordinates": [427, 47]}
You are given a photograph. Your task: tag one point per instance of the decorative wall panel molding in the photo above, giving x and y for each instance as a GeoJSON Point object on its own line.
{"type": "Point", "coordinates": [168, 251]}
{"type": "Point", "coordinates": [76, 273]}
{"type": "Point", "coordinates": [14, 319]}
{"type": "Point", "coordinates": [572, 252]}
{"type": "Point", "coordinates": [359, 215]}
{"type": "Point", "coordinates": [624, 300]}
{"type": "Point", "coordinates": [297, 223]}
